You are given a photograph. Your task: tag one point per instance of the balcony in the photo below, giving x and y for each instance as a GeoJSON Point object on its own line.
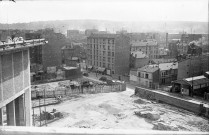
{"type": "Point", "coordinates": [10, 130]}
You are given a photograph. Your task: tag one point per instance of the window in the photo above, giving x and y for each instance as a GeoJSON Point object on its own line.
{"type": "Point", "coordinates": [108, 47]}
{"type": "Point", "coordinates": [150, 84]}
{"type": "Point", "coordinates": [139, 74]}
{"type": "Point", "coordinates": [163, 81]}
{"type": "Point", "coordinates": [109, 54]}
{"type": "Point", "coordinates": [108, 59]}
{"type": "Point", "coordinates": [113, 54]}
{"type": "Point", "coordinates": [146, 76]}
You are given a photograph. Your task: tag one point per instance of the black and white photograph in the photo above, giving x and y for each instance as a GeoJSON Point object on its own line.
{"type": "Point", "coordinates": [104, 67]}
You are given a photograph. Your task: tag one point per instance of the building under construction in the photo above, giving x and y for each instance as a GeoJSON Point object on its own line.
{"type": "Point", "coordinates": [15, 89]}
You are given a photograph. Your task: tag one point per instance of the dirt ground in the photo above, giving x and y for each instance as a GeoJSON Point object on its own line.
{"type": "Point", "coordinates": [122, 110]}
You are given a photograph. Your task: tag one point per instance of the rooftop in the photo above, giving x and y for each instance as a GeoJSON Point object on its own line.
{"type": "Point", "coordinates": [156, 61]}
{"type": "Point", "coordinates": [103, 36]}
{"type": "Point", "coordinates": [149, 68]}
{"type": "Point", "coordinates": [139, 54]}
{"type": "Point", "coordinates": [197, 80]}
{"type": "Point", "coordinates": [144, 43]}
{"type": "Point", "coordinates": [12, 46]}
{"type": "Point", "coordinates": [168, 66]}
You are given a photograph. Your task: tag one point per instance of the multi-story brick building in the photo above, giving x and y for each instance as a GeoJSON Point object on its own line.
{"type": "Point", "coordinates": [110, 52]}
{"type": "Point", "coordinates": [148, 47]}
{"type": "Point", "coordinates": [15, 89]}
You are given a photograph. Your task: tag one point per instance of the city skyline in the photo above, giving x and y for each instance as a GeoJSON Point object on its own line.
{"type": "Point", "coordinates": [115, 10]}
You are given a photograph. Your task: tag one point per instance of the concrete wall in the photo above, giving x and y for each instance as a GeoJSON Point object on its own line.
{"type": "Point", "coordinates": [166, 98]}
{"type": "Point", "coordinates": [14, 73]}
{"type": "Point", "coordinates": [15, 82]}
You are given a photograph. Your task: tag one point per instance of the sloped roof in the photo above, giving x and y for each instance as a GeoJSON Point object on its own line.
{"type": "Point", "coordinates": [149, 68]}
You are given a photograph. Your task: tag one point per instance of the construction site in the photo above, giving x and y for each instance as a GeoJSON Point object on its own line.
{"type": "Point", "coordinates": [116, 109]}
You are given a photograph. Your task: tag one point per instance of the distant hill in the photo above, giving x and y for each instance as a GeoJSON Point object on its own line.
{"type": "Point", "coordinates": [112, 26]}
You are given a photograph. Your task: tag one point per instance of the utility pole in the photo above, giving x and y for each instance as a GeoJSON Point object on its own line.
{"type": "Point", "coordinates": [45, 106]}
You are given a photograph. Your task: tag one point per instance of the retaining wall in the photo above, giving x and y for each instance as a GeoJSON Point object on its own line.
{"type": "Point", "coordinates": [189, 105]}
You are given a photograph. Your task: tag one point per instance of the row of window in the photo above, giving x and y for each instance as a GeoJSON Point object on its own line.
{"type": "Point", "coordinates": [100, 47]}
{"type": "Point", "coordinates": [97, 53]}
{"type": "Point", "coordinates": [93, 40]}
{"type": "Point", "coordinates": [143, 75]}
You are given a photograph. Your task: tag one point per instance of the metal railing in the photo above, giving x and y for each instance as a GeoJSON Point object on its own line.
{"type": "Point", "coordinates": [24, 43]}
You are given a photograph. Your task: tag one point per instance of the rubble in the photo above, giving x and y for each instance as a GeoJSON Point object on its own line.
{"type": "Point", "coordinates": [148, 115]}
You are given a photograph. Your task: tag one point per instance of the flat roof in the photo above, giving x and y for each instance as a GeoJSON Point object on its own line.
{"type": "Point", "coordinates": [20, 45]}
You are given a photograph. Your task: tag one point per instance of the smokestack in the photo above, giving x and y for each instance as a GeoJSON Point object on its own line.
{"type": "Point", "coordinates": [166, 40]}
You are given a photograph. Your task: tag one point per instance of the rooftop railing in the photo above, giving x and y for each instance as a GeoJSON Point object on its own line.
{"type": "Point", "coordinates": [5, 46]}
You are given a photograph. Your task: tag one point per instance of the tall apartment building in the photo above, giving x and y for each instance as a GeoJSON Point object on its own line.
{"type": "Point", "coordinates": [15, 89]}
{"type": "Point", "coordinates": [110, 52]}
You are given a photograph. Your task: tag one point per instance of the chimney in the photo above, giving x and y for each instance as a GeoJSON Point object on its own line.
{"type": "Point", "coordinates": [166, 40]}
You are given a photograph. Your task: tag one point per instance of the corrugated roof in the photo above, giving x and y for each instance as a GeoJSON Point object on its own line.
{"type": "Point", "coordinates": [197, 80]}
{"type": "Point", "coordinates": [149, 68]}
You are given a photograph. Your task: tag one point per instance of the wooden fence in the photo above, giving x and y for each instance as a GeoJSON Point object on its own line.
{"type": "Point", "coordinates": [62, 91]}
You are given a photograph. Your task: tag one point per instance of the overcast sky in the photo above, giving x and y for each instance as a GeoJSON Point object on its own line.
{"type": "Point", "coordinates": [115, 10]}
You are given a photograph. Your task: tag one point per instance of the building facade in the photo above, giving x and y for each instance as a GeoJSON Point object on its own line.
{"type": "Point", "coordinates": [193, 66]}
{"type": "Point", "coordinates": [148, 47]}
{"type": "Point", "coordinates": [109, 51]}
{"type": "Point", "coordinates": [148, 76]}
{"type": "Point", "coordinates": [168, 73]}
{"type": "Point", "coordinates": [15, 88]}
